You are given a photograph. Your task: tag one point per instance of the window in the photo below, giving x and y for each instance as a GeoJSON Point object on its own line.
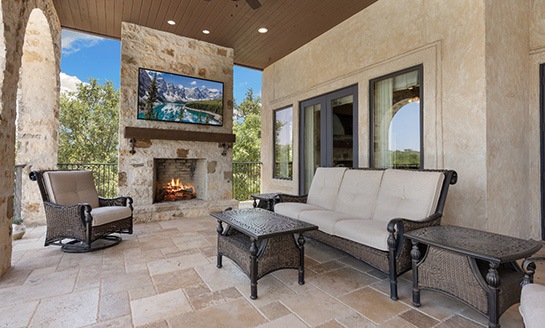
{"type": "Point", "coordinates": [283, 147]}
{"type": "Point", "coordinates": [396, 119]}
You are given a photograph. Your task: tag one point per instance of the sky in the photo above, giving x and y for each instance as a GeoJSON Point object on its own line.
{"type": "Point", "coordinates": [86, 56]}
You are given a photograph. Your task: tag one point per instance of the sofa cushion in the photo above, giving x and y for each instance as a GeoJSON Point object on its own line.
{"type": "Point", "coordinates": [293, 210]}
{"type": "Point", "coordinates": [407, 194]}
{"type": "Point", "coordinates": [532, 307]}
{"type": "Point", "coordinates": [107, 214]}
{"type": "Point", "coordinates": [324, 219]}
{"type": "Point", "coordinates": [71, 187]}
{"type": "Point", "coordinates": [325, 186]}
{"type": "Point", "coordinates": [371, 233]}
{"type": "Point", "coordinates": [358, 193]}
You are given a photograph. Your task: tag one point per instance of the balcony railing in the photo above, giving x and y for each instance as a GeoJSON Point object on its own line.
{"type": "Point", "coordinates": [246, 179]}
{"type": "Point", "coordinates": [105, 176]}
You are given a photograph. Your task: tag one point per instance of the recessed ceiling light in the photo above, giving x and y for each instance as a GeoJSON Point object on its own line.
{"type": "Point", "coordinates": [206, 31]}
{"type": "Point", "coordinates": [171, 22]}
{"type": "Point", "coordinates": [263, 30]}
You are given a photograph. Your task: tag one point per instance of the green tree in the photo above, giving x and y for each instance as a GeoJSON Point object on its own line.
{"type": "Point", "coordinates": [89, 123]}
{"type": "Point", "coordinates": [247, 128]}
{"type": "Point", "coordinates": [152, 98]}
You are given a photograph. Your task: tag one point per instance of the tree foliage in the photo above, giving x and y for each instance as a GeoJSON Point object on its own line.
{"type": "Point", "coordinates": [89, 123]}
{"type": "Point", "coordinates": [247, 128]}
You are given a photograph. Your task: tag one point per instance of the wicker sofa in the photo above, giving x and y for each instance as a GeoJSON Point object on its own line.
{"type": "Point", "coordinates": [365, 212]}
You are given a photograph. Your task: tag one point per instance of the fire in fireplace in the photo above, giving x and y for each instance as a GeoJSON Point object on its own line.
{"type": "Point", "coordinates": [175, 190]}
{"type": "Point", "coordinates": [178, 179]}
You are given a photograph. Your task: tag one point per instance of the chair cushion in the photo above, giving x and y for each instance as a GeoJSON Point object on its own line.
{"type": "Point", "coordinates": [408, 194]}
{"type": "Point", "coordinates": [358, 193]}
{"type": "Point", "coordinates": [371, 233]}
{"type": "Point", "coordinates": [71, 187]}
{"type": "Point", "coordinates": [107, 214]}
{"type": "Point", "coordinates": [293, 210]}
{"type": "Point", "coordinates": [324, 219]}
{"type": "Point", "coordinates": [325, 186]}
{"type": "Point", "coordinates": [532, 307]}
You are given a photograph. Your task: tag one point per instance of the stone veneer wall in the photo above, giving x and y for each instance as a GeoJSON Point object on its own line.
{"type": "Point", "coordinates": [162, 51]}
{"type": "Point", "coordinates": [14, 18]}
{"type": "Point", "coordinates": [475, 94]}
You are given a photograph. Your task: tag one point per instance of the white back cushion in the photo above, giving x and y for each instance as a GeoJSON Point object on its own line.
{"type": "Point", "coordinates": [71, 187]}
{"type": "Point", "coordinates": [408, 194]}
{"type": "Point", "coordinates": [325, 186]}
{"type": "Point", "coordinates": [358, 193]}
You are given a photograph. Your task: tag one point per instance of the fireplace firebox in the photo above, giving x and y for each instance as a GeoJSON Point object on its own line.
{"type": "Point", "coordinates": [178, 179]}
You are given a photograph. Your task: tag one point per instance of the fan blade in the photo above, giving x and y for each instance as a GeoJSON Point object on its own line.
{"type": "Point", "coordinates": [254, 4]}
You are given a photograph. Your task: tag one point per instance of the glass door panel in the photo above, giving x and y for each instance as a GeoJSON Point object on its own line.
{"type": "Point", "coordinates": [312, 142]}
{"type": "Point", "coordinates": [343, 135]}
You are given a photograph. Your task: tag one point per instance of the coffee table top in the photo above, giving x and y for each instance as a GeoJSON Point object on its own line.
{"type": "Point", "coordinates": [262, 224]}
{"type": "Point", "coordinates": [476, 243]}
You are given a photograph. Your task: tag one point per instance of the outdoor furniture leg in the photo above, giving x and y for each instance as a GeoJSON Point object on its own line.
{"type": "Point", "coordinates": [493, 280]}
{"type": "Point", "coordinates": [220, 255]}
{"type": "Point", "coordinates": [253, 269]}
{"type": "Point", "coordinates": [415, 255]}
{"type": "Point", "coordinates": [301, 245]}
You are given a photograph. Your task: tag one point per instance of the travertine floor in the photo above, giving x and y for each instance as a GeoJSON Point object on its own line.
{"type": "Point", "coordinates": [165, 275]}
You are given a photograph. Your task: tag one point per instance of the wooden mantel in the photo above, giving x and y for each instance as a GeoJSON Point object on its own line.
{"type": "Point", "coordinates": [164, 134]}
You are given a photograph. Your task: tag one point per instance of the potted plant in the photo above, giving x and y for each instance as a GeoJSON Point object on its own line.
{"type": "Point", "coordinates": [18, 228]}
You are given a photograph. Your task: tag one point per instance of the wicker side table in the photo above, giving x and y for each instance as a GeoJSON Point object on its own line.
{"type": "Point", "coordinates": [476, 267]}
{"type": "Point", "coordinates": [266, 201]}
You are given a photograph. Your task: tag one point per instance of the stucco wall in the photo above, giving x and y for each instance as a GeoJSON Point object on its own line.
{"type": "Point", "coordinates": [143, 47]}
{"type": "Point", "coordinates": [14, 16]}
{"type": "Point", "coordinates": [475, 101]}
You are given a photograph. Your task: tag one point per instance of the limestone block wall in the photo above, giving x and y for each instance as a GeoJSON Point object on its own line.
{"type": "Point", "coordinates": [475, 119]}
{"type": "Point", "coordinates": [147, 48]}
{"type": "Point", "coordinates": [14, 18]}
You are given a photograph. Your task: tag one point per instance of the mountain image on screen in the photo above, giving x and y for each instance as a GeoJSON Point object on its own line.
{"type": "Point", "coordinates": [178, 98]}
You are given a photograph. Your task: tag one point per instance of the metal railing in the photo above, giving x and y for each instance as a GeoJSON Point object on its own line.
{"type": "Point", "coordinates": [105, 176]}
{"type": "Point", "coordinates": [246, 179]}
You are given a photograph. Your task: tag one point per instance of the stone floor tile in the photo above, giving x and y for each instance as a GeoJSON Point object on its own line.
{"type": "Point", "coordinates": [78, 261]}
{"type": "Point", "coordinates": [220, 278]}
{"type": "Point", "coordinates": [341, 281]}
{"type": "Point", "coordinates": [325, 266]}
{"type": "Point", "coordinates": [355, 320]}
{"type": "Point", "coordinates": [373, 304]}
{"type": "Point", "coordinates": [330, 324]}
{"type": "Point", "coordinates": [512, 318]}
{"type": "Point", "coordinates": [125, 321]}
{"type": "Point", "coordinates": [209, 251]}
{"type": "Point", "coordinates": [137, 293]}
{"type": "Point", "coordinates": [174, 251]}
{"type": "Point", "coordinates": [274, 310]}
{"type": "Point", "coordinates": [315, 307]}
{"type": "Point", "coordinates": [175, 280]}
{"type": "Point", "coordinates": [290, 278]}
{"type": "Point", "coordinates": [290, 321]}
{"type": "Point", "coordinates": [438, 305]}
{"type": "Point", "coordinates": [124, 282]}
{"type": "Point", "coordinates": [419, 319]}
{"type": "Point", "coordinates": [190, 240]}
{"type": "Point", "coordinates": [459, 322]}
{"type": "Point", "coordinates": [397, 322]}
{"type": "Point", "coordinates": [73, 310]}
{"type": "Point", "coordinates": [213, 298]}
{"type": "Point", "coordinates": [159, 307]}
{"type": "Point", "coordinates": [196, 290]}
{"type": "Point", "coordinates": [114, 306]}
{"type": "Point", "coordinates": [14, 277]}
{"type": "Point", "coordinates": [236, 314]}
{"type": "Point", "coordinates": [155, 242]}
{"type": "Point", "coordinates": [176, 263]}
{"type": "Point", "coordinates": [17, 315]}
{"type": "Point", "coordinates": [137, 256]}
{"type": "Point", "coordinates": [355, 263]}
{"type": "Point", "coordinates": [321, 252]}
{"type": "Point", "coordinates": [269, 289]}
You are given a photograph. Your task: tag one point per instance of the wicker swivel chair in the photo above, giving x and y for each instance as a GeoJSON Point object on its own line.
{"type": "Point", "coordinates": [78, 219]}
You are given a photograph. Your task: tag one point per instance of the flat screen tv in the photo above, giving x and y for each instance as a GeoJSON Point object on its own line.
{"type": "Point", "coordinates": [178, 98]}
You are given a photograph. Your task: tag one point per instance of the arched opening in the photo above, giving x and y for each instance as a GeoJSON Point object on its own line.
{"type": "Point", "coordinates": [37, 114]}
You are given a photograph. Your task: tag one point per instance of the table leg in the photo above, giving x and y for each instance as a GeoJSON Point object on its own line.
{"type": "Point", "coordinates": [255, 203]}
{"type": "Point", "coordinates": [219, 256]}
{"type": "Point", "coordinates": [415, 255]}
{"type": "Point", "coordinates": [493, 280]}
{"type": "Point", "coordinates": [253, 269]}
{"type": "Point", "coordinates": [301, 245]}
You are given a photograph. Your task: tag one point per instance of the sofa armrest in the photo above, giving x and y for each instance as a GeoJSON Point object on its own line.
{"type": "Point", "coordinates": [397, 228]}
{"type": "Point", "coordinates": [286, 198]}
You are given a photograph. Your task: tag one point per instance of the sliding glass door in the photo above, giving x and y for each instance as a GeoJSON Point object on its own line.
{"type": "Point", "coordinates": [328, 133]}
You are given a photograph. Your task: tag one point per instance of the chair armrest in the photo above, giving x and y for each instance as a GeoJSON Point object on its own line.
{"type": "Point", "coordinates": [529, 268]}
{"type": "Point", "coordinates": [73, 216]}
{"type": "Point", "coordinates": [286, 198]}
{"type": "Point", "coordinates": [118, 201]}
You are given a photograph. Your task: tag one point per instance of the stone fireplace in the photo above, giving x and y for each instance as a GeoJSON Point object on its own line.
{"type": "Point", "coordinates": [179, 179]}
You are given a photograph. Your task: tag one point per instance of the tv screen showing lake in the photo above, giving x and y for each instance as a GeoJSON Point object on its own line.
{"type": "Point", "coordinates": [178, 98]}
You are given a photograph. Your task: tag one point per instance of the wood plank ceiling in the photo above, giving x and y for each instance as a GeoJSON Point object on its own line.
{"type": "Point", "coordinates": [232, 23]}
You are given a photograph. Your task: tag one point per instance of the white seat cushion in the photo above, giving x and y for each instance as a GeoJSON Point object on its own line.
{"type": "Point", "coordinates": [408, 194]}
{"type": "Point", "coordinates": [71, 187]}
{"type": "Point", "coordinates": [107, 214]}
{"type": "Point", "coordinates": [325, 186]}
{"type": "Point", "coordinates": [324, 219]}
{"type": "Point", "coordinates": [358, 193]}
{"type": "Point", "coordinates": [371, 233]}
{"type": "Point", "coordinates": [532, 307]}
{"type": "Point", "coordinates": [293, 210]}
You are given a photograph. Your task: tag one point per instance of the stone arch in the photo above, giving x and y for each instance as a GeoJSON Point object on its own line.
{"type": "Point", "coordinates": [14, 18]}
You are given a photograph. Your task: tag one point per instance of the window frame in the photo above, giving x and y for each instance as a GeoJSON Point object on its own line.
{"type": "Point", "coordinates": [420, 69]}
{"type": "Point", "coordinates": [290, 178]}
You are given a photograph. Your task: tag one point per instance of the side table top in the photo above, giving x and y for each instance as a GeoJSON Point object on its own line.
{"type": "Point", "coordinates": [476, 243]}
{"type": "Point", "coordinates": [266, 196]}
{"type": "Point", "coordinates": [261, 224]}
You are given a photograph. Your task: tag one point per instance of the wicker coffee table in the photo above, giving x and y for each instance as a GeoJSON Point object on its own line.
{"type": "Point", "coordinates": [260, 242]}
{"type": "Point", "coordinates": [474, 266]}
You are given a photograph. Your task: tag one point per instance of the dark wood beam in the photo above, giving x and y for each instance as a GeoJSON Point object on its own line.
{"type": "Point", "coordinates": [164, 134]}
